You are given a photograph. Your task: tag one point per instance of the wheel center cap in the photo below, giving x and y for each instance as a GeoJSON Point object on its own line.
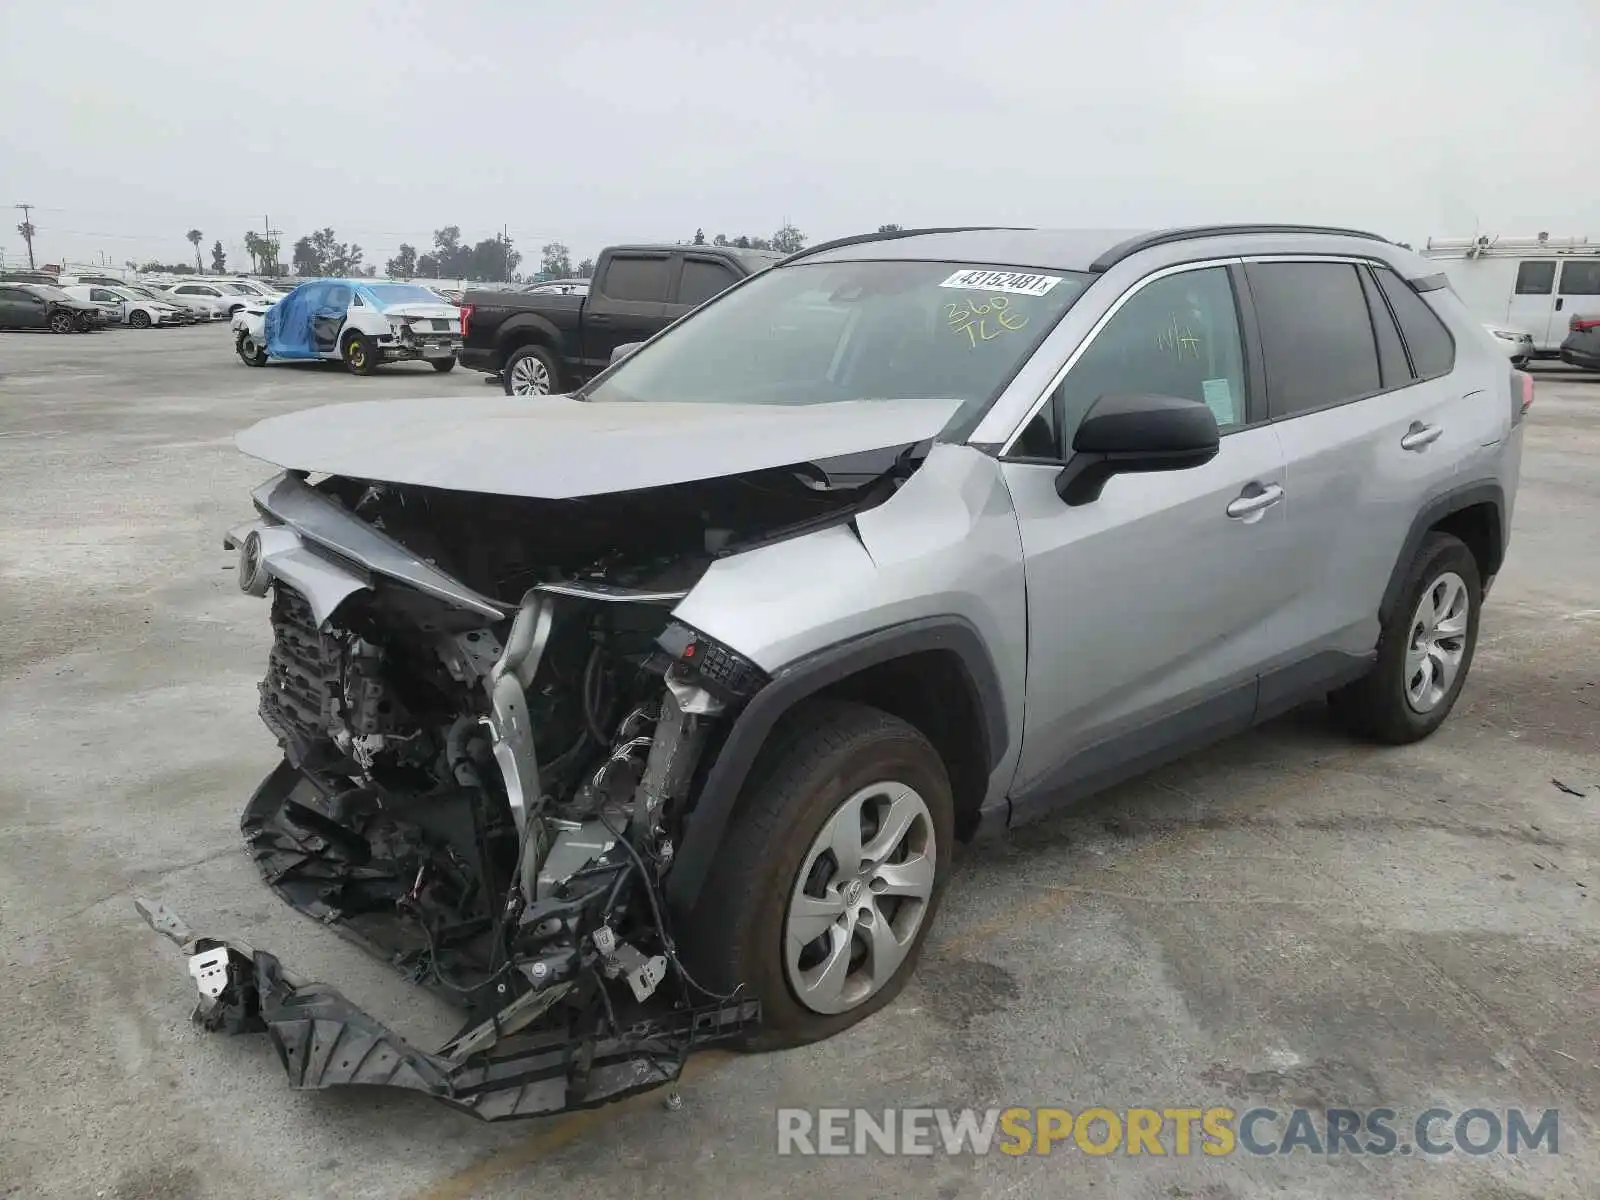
{"type": "Point", "coordinates": [852, 892]}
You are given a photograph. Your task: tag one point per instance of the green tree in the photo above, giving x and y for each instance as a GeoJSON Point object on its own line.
{"type": "Point", "coordinates": [194, 236]}
{"type": "Point", "coordinates": [219, 260]}
{"type": "Point", "coordinates": [788, 239]}
{"type": "Point", "coordinates": [404, 264]}
{"type": "Point", "coordinates": [493, 259]}
{"type": "Point", "coordinates": [252, 247]}
{"type": "Point", "coordinates": [720, 240]}
{"type": "Point", "coordinates": [585, 269]}
{"type": "Point", "coordinates": [699, 237]}
{"type": "Point", "coordinates": [555, 261]}
{"type": "Point", "coordinates": [307, 260]}
{"type": "Point", "coordinates": [328, 255]}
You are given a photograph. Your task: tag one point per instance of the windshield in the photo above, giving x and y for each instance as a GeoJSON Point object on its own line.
{"type": "Point", "coordinates": [232, 289]}
{"type": "Point", "coordinates": [816, 333]}
{"type": "Point", "coordinates": [45, 290]}
{"type": "Point", "coordinates": [403, 293]}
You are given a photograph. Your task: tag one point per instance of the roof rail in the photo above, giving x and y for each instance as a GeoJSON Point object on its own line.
{"type": "Point", "coordinates": [857, 239]}
{"type": "Point", "coordinates": [1165, 237]}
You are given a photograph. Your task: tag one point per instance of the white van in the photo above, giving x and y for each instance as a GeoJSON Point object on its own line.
{"type": "Point", "coordinates": [1527, 283]}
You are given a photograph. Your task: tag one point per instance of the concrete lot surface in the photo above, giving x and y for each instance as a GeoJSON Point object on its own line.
{"type": "Point", "coordinates": [1290, 919]}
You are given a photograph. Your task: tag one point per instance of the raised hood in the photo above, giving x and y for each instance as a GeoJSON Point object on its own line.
{"type": "Point", "coordinates": [558, 448]}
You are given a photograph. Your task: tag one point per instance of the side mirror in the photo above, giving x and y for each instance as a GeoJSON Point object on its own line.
{"type": "Point", "coordinates": [1122, 434]}
{"type": "Point", "coordinates": [622, 352]}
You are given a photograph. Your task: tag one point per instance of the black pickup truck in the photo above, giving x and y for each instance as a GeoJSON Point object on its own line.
{"type": "Point", "coordinates": [539, 344]}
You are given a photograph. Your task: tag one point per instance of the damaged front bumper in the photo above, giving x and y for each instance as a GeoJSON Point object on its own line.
{"type": "Point", "coordinates": [496, 1069]}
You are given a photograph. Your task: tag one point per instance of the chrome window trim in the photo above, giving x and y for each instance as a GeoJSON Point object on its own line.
{"type": "Point", "coordinates": [1094, 332]}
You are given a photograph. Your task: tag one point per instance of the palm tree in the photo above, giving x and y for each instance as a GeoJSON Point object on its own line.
{"type": "Point", "coordinates": [252, 243]}
{"type": "Point", "coordinates": [194, 235]}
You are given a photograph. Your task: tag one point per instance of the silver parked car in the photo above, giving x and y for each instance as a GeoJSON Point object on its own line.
{"type": "Point", "coordinates": [648, 718]}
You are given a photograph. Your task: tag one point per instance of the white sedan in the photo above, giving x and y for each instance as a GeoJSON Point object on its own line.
{"type": "Point", "coordinates": [361, 322]}
{"type": "Point", "coordinates": [125, 307]}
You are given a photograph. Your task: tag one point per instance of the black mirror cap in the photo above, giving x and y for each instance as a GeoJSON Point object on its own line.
{"type": "Point", "coordinates": [1126, 433]}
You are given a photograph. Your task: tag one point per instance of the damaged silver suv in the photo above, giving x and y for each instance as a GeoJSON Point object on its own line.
{"type": "Point", "coordinates": [647, 718]}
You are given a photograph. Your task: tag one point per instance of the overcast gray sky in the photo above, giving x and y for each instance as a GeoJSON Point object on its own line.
{"type": "Point", "coordinates": [586, 121]}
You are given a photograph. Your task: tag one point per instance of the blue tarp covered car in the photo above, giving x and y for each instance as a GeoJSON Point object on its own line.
{"type": "Point", "coordinates": [362, 322]}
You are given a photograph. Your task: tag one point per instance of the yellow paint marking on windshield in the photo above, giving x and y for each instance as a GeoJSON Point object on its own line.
{"type": "Point", "coordinates": [963, 316]}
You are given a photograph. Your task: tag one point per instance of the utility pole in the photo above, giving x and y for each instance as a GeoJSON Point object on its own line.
{"type": "Point", "coordinates": [26, 230]}
{"type": "Point", "coordinates": [505, 254]}
{"type": "Point", "coordinates": [271, 236]}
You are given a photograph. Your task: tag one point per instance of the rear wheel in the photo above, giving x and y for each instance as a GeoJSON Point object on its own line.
{"type": "Point", "coordinates": [1424, 650]}
{"type": "Point", "coordinates": [531, 371]}
{"type": "Point", "coordinates": [139, 319]}
{"type": "Point", "coordinates": [250, 351]}
{"type": "Point", "coordinates": [442, 365]}
{"type": "Point", "coordinates": [360, 355]}
{"type": "Point", "coordinates": [827, 883]}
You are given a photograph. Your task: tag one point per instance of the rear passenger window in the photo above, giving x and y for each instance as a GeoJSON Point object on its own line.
{"type": "Point", "coordinates": [1536, 278]}
{"type": "Point", "coordinates": [636, 279]}
{"type": "Point", "coordinates": [702, 280]}
{"type": "Point", "coordinates": [1580, 278]}
{"type": "Point", "coordinates": [1433, 350]}
{"type": "Point", "coordinates": [1392, 365]}
{"type": "Point", "coordinates": [1316, 334]}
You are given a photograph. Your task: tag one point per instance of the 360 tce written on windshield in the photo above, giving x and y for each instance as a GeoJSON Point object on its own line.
{"type": "Point", "coordinates": [828, 332]}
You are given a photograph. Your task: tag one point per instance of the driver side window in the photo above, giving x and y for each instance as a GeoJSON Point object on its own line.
{"type": "Point", "coordinates": [1176, 336]}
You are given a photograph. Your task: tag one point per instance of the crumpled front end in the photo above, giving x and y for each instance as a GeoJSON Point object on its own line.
{"type": "Point", "coordinates": [492, 728]}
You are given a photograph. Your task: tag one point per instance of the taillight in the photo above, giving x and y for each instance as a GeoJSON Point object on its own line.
{"type": "Point", "coordinates": [1583, 324]}
{"type": "Point", "coordinates": [1521, 395]}
{"type": "Point", "coordinates": [466, 315]}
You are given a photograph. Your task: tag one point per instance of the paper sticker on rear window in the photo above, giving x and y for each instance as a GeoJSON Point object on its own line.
{"type": "Point", "coordinates": [1019, 282]}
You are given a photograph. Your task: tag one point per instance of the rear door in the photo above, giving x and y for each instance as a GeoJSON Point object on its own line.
{"type": "Point", "coordinates": [1533, 302]}
{"type": "Point", "coordinates": [1577, 294]}
{"type": "Point", "coordinates": [1151, 608]}
{"type": "Point", "coordinates": [626, 303]}
{"type": "Point", "coordinates": [1373, 421]}
{"type": "Point", "coordinates": [14, 309]}
{"type": "Point", "coordinates": [700, 277]}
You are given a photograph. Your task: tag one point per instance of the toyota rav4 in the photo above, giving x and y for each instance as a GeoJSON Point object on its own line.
{"type": "Point", "coordinates": [648, 717]}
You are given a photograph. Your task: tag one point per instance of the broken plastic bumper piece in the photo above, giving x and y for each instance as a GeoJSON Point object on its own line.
{"type": "Point", "coordinates": [510, 1065]}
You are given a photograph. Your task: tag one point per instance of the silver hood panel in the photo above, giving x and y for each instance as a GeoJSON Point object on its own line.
{"type": "Point", "coordinates": [558, 448]}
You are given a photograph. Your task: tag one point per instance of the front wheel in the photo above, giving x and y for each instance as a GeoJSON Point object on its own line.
{"type": "Point", "coordinates": [62, 322]}
{"type": "Point", "coordinates": [1424, 649]}
{"type": "Point", "coordinates": [250, 351]}
{"type": "Point", "coordinates": [825, 888]}
{"type": "Point", "coordinates": [360, 356]}
{"type": "Point", "coordinates": [139, 319]}
{"type": "Point", "coordinates": [442, 365]}
{"type": "Point", "coordinates": [531, 371]}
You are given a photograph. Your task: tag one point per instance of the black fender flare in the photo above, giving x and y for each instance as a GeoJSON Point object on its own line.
{"type": "Point", "coordinates": [805, 677]}
{"type": "Point", "coordinates": [513, 334]}
{"type": "Point", "coordinates": [1431, 513]}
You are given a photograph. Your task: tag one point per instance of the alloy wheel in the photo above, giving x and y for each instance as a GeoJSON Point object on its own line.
{"type": "Point", "coordinates": [1438, 642]}
{"type": "Point", "coordinates": [862, 892]}
{"type": "Point", "coordinates": [530, 377]}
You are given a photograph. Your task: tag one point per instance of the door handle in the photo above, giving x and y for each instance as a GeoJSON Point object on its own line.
{"type": "Point", "coordinates": [1560, 300]}
{"type": "Point", "coordinates": [599, 319]}
{"type": "Point", "coordinates": [1255, 499]}
{"type": "Point", "coordinates": [1420, 436]}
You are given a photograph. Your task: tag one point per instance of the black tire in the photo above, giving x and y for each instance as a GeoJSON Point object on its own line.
{"type": "Point", "coordinates": [139, 319]}
{"type": "Point", "coordinates": [534, 354]}
{"type": "Point", "coordinates": [360, 354]}
{"type": "Point", "coordinates": [823, 754]}
{"type": "Point", "coordinates": [250, 353]}
{"type": "Point", "coordinates": [442, 365]}
{"type": "Point", "coordinates": [63, 322]}
{"type": "Point", "coordinates": [1376, 706]}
